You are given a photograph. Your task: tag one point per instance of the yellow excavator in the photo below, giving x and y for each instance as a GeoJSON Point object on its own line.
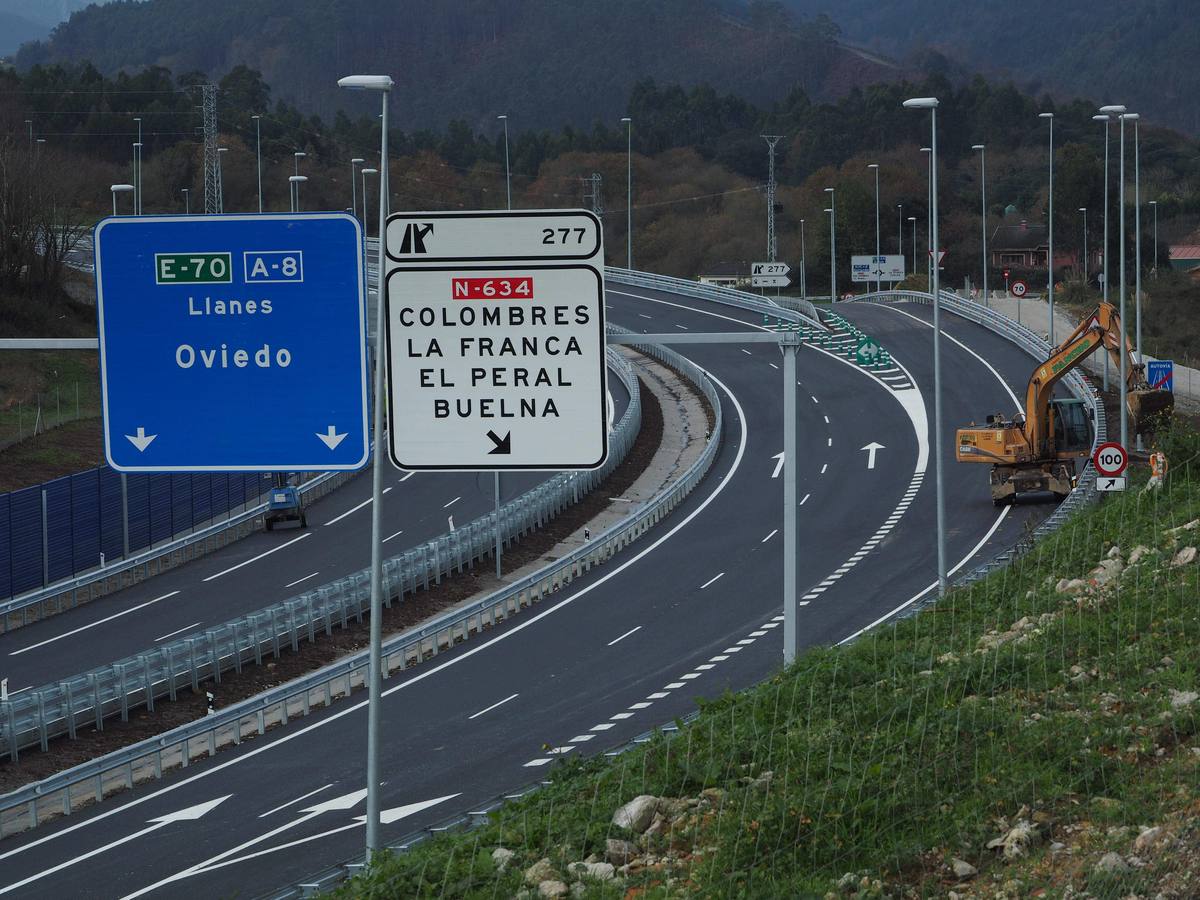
{"type": "Point", "coordinates": [1035, 452]}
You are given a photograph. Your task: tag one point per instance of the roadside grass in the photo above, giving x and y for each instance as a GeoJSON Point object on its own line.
{"type": "Point", "coordinates": [1045, 717]}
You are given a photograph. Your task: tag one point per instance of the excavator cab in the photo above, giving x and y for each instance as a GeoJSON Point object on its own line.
{"type": "Point", "coordinates": [1072, 427]}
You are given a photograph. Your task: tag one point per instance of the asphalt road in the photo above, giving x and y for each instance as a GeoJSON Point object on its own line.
{"type": "Point", "coordinates": [691, 610]}
{"type": "Point", "coordinates": [262, 569]}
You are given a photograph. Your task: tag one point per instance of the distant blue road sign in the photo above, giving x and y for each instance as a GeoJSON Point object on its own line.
{"type": "Point", "coordinates": [1161, 374]}
{"type": "Point", "coordinates": [232, 343]}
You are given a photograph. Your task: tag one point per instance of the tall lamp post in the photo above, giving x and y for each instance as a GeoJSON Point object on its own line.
{"type": "Point", "coordinates": [832, 210]}
{"type": "Point", "coordinates": [878, 267]}
{"type": "Point", "coordinates": [137, 169]}
{"type": "Point", "coordinates": [1083, 266]}
{"type": "Point", "coordinates": [1104, 255]}
{"type": "Point", "coordinates": [803, 264]}
{"type": "Point", "coordinates": [931, 104]}
{"type": "Point", "coordinates": [928, 151]}
{"type": "Point", "coordinates": [1154, 271]}
{"type": "Point", "coordinates": [382, 84]}
{"type": "Point", "coordinates": [1137, 238]}
{"type": "Point", "coordinates": [366, 230]}
{"type": "Point", "coordinates": [628, 191]}
{"type": "Point", "coordinates": [507, 169]}
{"type": "Point", "coordinates": [29, 126]}
{"type": "Point", "coordinates": [119, 189]}
{"type": "Point", "coordinates": [900, 229]}
{"type": "Point", "coordinates": [354, 164]}
{"type": "Point", "coordinates": [1050, 228]}
{"type": "Point", "coordinates": [1119, 111]}
{"type": "Point", "coordinates": [187, 201]}
{"type": "Point", "coordinates": [913, 219]}
{"type": "Point", "coordinates": [258, 156]}
{"type": "Point", "coordinates": [983, 212]}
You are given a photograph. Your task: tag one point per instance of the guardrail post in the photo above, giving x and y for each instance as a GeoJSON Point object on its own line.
{"type": "Point", "coordinates": [97, 708]}
{"type": "Point", "coordinates": [70, 709]}
{"type": "Point", "coordinates": [13, 753]}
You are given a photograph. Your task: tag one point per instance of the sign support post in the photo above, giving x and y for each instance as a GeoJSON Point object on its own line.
{"type": "Point", "coordinates": [790, 345]}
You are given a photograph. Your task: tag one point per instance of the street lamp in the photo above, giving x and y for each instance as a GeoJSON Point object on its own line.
{"type": "Point", "coordinates": [913, 219]}
{"type": "Point", "coordinates": [878, 267]}
{"type": "Point", "coordinates": [931, 104]}
{"type": "Point", "coordinates": [628, 191]}
{"type": "Point", "coordinates": [383, 84]}
{"type": "Point", "coordinates": [1154, 203]}
{"type": "Point", "coordinates": [929, 220]}
{"type": "Point", "coordinates": [900, 228]}
{"type": "Point", "coordinates": [137, 169]}
{"type": "Point", "coordinates": [118, 189]}
{"type": "Point", "coordinates": [187, 201]}
{"type": "Point", "coordinates": [507, 170]}
{"type": "Point", "coordinates": [354, 164]}
{"type": "Point", "coordinates": [1084, 265]}
{"type": "Point", "coordinates": [221, 178]}
{"type": "Point", "coordinates": [296, 181]}
{"type": "Point", "coordinates": [137, 151]}
{"type": "Point", "coordinates": [1137, 238]}
{"type": "Point", "coordinates": [1104, 255]}
{"type": "Point", "coordinates": [832, 210]}
{"type": "Point", "coordinates": [258, 156]}
{"type": "Point", "coordinates": [803, 264]}
{"type": "Point", "coordinates": [1118, 111]}
{"type": "Point", "coordinates": [1050, 227]}
{"type": "Point", "coordinates": [983, 211]}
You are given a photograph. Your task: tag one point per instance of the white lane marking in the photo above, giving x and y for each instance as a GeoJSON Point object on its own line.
{"type": "Point", "coordinates": [772, 365]}
{"type": "Point", "coordinates": [826, 420]}
{"type": "Point", "coordinates": [910, 601]}
{"type": "Point", "coordinates": [559, 751]}
{"type": "Point", "coordinates": [294, 802]}
{"type": "Point", "coordinates": [74, 631]}
{"type": "Point", "coordinates": [353, 509]}
{"type": "Point", "coordinates": [732, 650]}
{"type": "Point", "coordinates": [175, 632]}
{"type": "Point", "coordinates": [581, 738]}
{"type": "Point", "coordinates": [255, 559]}
{"type": "Point", "coordinates": [603, 726]}
{"type": "Point", "coordinates": [718, 658]}
{"type": "Point", "coordinates": [639, 705]}
{"type": "Point", "coordinates": [690, 675]}
{"type": "Point", "coordinates": [814, 399]}
{"type": "Point", "coordinates": [805, 500]}
{"type": "Point", "coordinates": [745, 642]}
{"type": "Point", "coordinates": [287, 737]}
{"type": "Point", "coordinates": [406, 477]}
{"type": "Point", "coordinates": [621, 715]}
{"type": "Point", "coordinates": [537, 762]}
{"type": "Point", "coordinates": [684, 327]}
{"type": "Point", "coordinates": [758, 633]}
{"type": "Point", "coordinates": [673, 686]}
{"type": "Point", "coordinates": [658, 695]}
{"type": "Point", "coordinates": [769, 536]}
{"type": "Point", "coordinates": [451, 503]}
{"type": "Point", "coordinates": [824, 467]}
{"type": "Point", "coordinates": [711, 580]}
{"type": "Point", "coordinates": [770, 624]}
{"type": "Point", "coordinates": [829, 442]}
{"type": "Point", "coordinates": [493, 706]}
{"type": "Point", "coordinates": [704, 667]}
{"type": "Point", "coordinates": [744, 350]}
{"type": "Point", "coordinates": [644, 316]}
{"type": "Point", "coordinates": [305, 578]}
{"type": "Point", "coordinates": [390, 536]}
{"type": "Point", "coordinates": [625, 635]}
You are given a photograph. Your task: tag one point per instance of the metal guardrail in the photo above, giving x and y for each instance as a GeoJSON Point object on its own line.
{"type": "Point", "coordinates": [90, 782]}
{"type": "Point", "coordinates": [1037, 347]}
{"type": "Point", "coordinates": [70, 592]}
{"type": "Point", "coordinates": [38, 715]}
{"type": "Point", "coordinates": [710, 292]}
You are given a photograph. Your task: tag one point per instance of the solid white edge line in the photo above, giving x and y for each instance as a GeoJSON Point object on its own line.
{"type": "Point", "coordinates": [294, 802]}
{"type": "Point", "coordinates": [176, 631]}
{"type": "Point", "coordinates": [625, 635]}
{"type": "Point", "coordinates": [254, 559]}
{"type": "Point", "coordinates": [74, 631]}
{"type": "Point", "coordinates": [421, 676]}
{"type": "Point", "coordinates": [712, 580]}
{"type": "Point", "coordinates": [305, 578]}
{"type": "Point", "coordinates": [353, 509]}
{"type": "Point", "coordinates": [451, 503]}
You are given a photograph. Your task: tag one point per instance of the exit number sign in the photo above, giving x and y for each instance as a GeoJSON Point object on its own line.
{"type": "Point", "coordinates": [193, 268]}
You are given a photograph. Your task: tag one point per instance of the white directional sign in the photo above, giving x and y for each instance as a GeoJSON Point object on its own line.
{"type": "Point", "coordinates": [877, 268]}
{"type": "Point", "coordinates": [770, 281]}
{"type": "Point", "coordinates": [770, 268]}
{"type": "Point", "coordinates": [495, 340]}
{"type": "Point", "coordinates": [1114, 483]}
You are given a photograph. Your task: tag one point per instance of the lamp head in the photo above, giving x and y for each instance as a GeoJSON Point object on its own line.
{"type": "Point", "coordinates": [873, 165]}
{"type": "Point", "coordinates": [1133, 117]}
{"type": "Point", "coordinates": [121, 188]}
{"type": "Point", "coordinates": [977, 146]}
{"type": "Point", "coordinates": [299, 153]}
{"type": "Point", "coordinates": [828, 210]}
{"type": "Point", "coordinates": [1045, 115]}
{"type": "Point", "coordinates": [366, 82]}
{"type": "Point", "coordinates": [921, 103]}
{"type": "Point", "coordinates": [1083, 209]}
{"type": "Point", "coordinates": [256, 117]}
{"type": "Point", "coordinates": [1114, 109]}
{"type": "Point", "coordinates": [1100, 118]}
{"type": "Point", "coordinates": [926, 149]}
{"type": "Point", "coordinates": [370, 171]}
{"type": "Point", "coordinates": [627, 120]}
{"type": "Point", "coordinates": [137, 143]}
{"type": "Point", "coordinates": [501, 117]}
{"type": "Point", "coordinates": [912, 218]}
{"type": "Point", "coordinates": [297, 179]}
{"type": "Point", "coordinates": [829, 190]}
{"type": "Point", "coordinates": [357, 161]}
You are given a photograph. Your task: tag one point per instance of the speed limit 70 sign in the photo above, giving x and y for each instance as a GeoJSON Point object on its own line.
{"type": "Point", "coordinates": [1018, 289]}
{"type": "Point", "coordinates": [1110, 459]}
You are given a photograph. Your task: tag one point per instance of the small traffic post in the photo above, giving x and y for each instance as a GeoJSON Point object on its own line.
{"type": "Point", "coordinates": [495, 340]}
{"type": "Point", "coordinates": [1110, 460]}
{"type": "Point", "coordinates": [232, 343]}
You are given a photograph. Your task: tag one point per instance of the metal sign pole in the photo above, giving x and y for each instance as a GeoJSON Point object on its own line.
{"type": "Point", "coordinates": [790, 345]}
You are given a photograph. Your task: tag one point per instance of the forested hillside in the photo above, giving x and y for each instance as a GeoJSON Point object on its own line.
{"type": "Point", "coordinates": [555, 62]}
{"type": "Point", "coordinates": [1142, 54]}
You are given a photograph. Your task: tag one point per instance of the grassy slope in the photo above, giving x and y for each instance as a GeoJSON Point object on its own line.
{"type": "Point", "coordinates": [1009, 702]}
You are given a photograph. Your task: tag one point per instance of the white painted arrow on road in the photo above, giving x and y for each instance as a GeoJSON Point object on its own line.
{"type": "Point", "coordinates": [331, 438]}
{"type": "Point", "coordinates": [778, 465]}
{"type": "Point", "coordinates": [141, 440]}
{"type": "Point", "coordinates": [184, 815]}
{"type": "Point", "coordinates": [346, 801]}
{"type": "Point", "coordinates": [871, 448]}
{"type": "Point", "coordinates": [396, 813]}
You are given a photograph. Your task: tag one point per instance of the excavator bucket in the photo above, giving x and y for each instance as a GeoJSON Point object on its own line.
{"type": "Point", "coordinates": [1147, 406]}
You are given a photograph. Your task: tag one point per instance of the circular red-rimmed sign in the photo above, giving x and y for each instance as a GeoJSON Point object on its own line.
{"type": "Point", "coordinates": [1019, 289]}
{"type": "Point", "coordinates": [1110, 459]}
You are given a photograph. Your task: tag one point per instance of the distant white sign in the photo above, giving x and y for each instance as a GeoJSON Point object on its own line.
{"type": "Point", "coordinates": [769, 268]}
{"type": "Point", "coordinates": [877, 268]}
{"type": "Point", "coordinates": [770, 280]}
{"type": "Point", "coordinates": [495, 340]}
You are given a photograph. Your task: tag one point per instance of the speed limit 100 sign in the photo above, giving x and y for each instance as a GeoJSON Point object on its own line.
{"type": "Point", "coordinates": [1110, 459]}
{"type": "Point", "coordinates": [1019, 289]}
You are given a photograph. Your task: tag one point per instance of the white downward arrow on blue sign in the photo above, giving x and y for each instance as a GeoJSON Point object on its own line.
{"type": "Point", "coordinates": [141, 440]}
{"type": "Point", "coordinates": [330, 438]}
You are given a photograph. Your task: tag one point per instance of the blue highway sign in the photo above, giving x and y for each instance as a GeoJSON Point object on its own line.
{"type": "Point", "coordinates": [1160, 373]}
{"type": "Point", "coordinates": [232, 343]}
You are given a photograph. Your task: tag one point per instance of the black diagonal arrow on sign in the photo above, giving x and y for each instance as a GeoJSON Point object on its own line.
{"type": "Point", "coordinates": [503, 444]}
